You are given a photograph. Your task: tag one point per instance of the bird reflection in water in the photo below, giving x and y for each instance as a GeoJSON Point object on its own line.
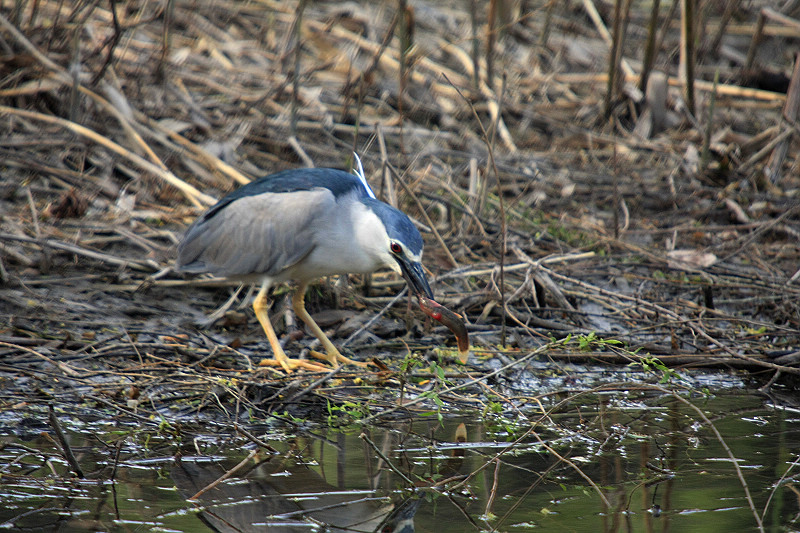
{"type": "Point", "coordinates": [288, 494]}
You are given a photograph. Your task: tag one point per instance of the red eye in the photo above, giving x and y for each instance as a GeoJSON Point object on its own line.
{"type": "Point", "coordinates": [396, 248]}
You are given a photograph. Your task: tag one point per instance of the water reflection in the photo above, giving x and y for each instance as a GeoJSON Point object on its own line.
{"type": "Point", "coordinates": [611, 463]}
{"type": "Point", "coordinates": [352, 489]}
{"type": "Point", "coordinates": [284, 495]}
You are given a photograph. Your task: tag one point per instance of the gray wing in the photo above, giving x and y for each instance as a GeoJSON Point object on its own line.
{"type": "Point", "coordinates": [259, 234]}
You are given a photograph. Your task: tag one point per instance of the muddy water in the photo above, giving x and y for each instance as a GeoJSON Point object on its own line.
{"type": "Point", "coordinates": [617, 461]}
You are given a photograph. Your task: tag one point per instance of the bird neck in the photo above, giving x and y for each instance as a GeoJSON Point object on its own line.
{"type": "Point", "coordinates": [370, 235]}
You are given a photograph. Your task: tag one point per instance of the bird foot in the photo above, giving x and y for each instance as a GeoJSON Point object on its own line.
{"type": "Point", "coordinates": [290, 365]}
{"type": "Point", "coordinates": [335, 358]}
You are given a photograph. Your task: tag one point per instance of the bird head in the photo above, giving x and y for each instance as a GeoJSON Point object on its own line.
{"type": "Point", "coordinates": [401, 248]}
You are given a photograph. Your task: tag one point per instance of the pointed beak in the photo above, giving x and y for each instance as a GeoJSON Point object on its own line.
{"type": "Point", "coordinates": [415, 277]}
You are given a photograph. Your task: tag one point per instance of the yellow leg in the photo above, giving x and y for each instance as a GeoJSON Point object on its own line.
{"type": "Point", "coordinates": [260, 308]}
{"type": "Point", "coordinates": [331, 354]}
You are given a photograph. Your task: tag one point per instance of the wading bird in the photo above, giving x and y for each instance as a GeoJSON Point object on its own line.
{"type": "Point", "coordinates": [302, 225]}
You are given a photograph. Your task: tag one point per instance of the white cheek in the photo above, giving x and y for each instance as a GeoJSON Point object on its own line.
{"type": "Point", "coordinates": [394, 266]}
{"type": "Point", "coordinates": [372, 238]}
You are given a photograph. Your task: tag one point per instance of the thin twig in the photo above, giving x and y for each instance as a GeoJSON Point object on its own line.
{"type": "Point", "coordinates": [225, 476]}
{"type": "Point", "coordinates": [363, 436]}
{"type": "Point", "coordinates": [62, 441]}
{"type": "Point", "coordinates": [721, 440]}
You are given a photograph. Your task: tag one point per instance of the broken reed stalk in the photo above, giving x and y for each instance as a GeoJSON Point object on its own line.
{"type": "Point", "coordinates": [63, 367]}
{"type": "Point", "coordinates": [75, 69]}
{"type": "Point", "coordinates": [548, 21]}
{"type": "Point", "coordinates": [615, 184]}
{"type": "Point", "coordinates": [687, 52]}
{"type": "Point", "coordinates": [3, 271]}
{"type": "Point", "coordinates": [166, 40]}
{"type": "Point", "coordinates": [34, 14]}
{"type": "Point", "coordinates": [111, 42]}
{"type": "Point", "coordinates": [37, 231]}
{"type": "Point", "coordinates": [476, 46]}
{"type": "Point", "coordinates": [16, 13]}
{"type": "Point", "coordinates": [600, 26]}
{"type": "Point", "coordinates": [614, 60]}
{"type": "Point", "coordinates": [789, 115]}
{"type": "Point", "coordinates": [704, 153]}
{"type": "Point", "coordinates": [502, 205]}
{"type": "Point", "coordinates": [666, 23]}
{"type": "Point", "coordinates": [252, 438]}
{"type": "Point", "coordinates": [490, 42]}
{"type": "Point", "coordinates": [296, 40]}
{"type": "Point", "coordinates": [474, 190]}
{"type": "Point", "coordinates": [491, 165]}
{"type": "Point", "coordinates": [730, 7]}
{"type": "Point", "coordinates": [650, 48]}
{"type": "Point", "coordinates": [406, 37]}
{"type": "Point", "coordinates": [115, 465]}
{"type": "Point", "coordinates": [301, 153]}
{"type": "Point", "coordinates": [626, 17]}
{"type": "Point", "coordinates": [406, 31]}
{"type": "Point", "coordinates": [758, 34]}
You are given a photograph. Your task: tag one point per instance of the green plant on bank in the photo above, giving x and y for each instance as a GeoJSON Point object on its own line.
{"type": "Point", "coordinates": [166, 434]}
{"type": "Point", "coordinates": [571, 236]}
{"type": "Point", "coordinates": [648, 363]}
{"type": "Point", "coordinates": [590, 342]}
{"type": "Point", "coordinates": [497, 423]}
{"type": "Point", "coordinates": [412, 361]}
{"type": "Point", "coordinates": [493, 406]}
{"type": "Point", "coordinates": [293, 419]}
{"type": "Point", "coordinates": [346, 413]}
{"type": "Point", "coordinates": [409, 363]}
{"type": "Point", "coordinates": [656, 366]}
{"type": "Point", "coordinates": [434, 395]}
{"type": "Point", "coordinates": [350, 412]}
{"type": "Point", "coordinates": [440, 382]}
{"type": "Point", "coordinates": [503, 427]}
{"type": "Point", "coordinates": [169, 431]}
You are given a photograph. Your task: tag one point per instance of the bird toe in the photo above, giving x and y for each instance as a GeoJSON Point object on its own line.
{"type": "Point", "coordinates": [290, 365]}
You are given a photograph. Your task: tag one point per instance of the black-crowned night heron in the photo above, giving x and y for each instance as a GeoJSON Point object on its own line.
{"type": "Point", "coordinates": [302, 225]}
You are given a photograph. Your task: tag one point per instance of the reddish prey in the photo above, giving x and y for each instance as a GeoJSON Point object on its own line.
{"type": "Point", "coordinates": [452, 320]}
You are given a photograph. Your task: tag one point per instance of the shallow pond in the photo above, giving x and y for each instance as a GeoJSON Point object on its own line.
{"type": "Point", "coordinates": [614, 461]}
